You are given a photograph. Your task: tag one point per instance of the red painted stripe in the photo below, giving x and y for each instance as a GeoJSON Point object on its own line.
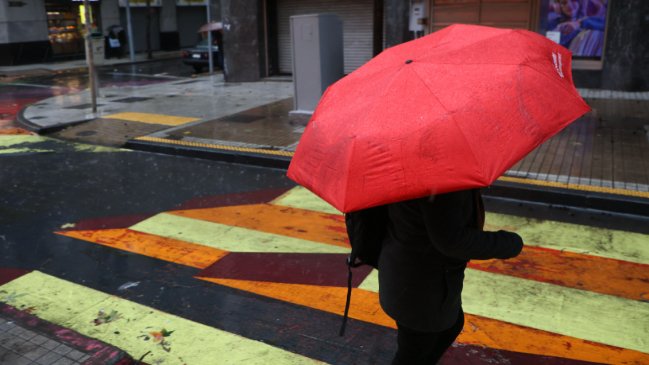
{"type": "Point", "coordinates": [8, 274]}
{"type": "Point", "coordinates": [462, 354]}
{"type": "Point", "coordinates": [289, 268]}
{"type": "Point", "coordinates": [124, 221]}
{"type": "Point", "coordinates": [593, 273]}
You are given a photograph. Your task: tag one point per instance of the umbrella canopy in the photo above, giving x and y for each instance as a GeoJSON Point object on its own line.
{"type": "Point", "coordinates": [210, 27]}
{"type": "Point", "coordinates": [449, 111]}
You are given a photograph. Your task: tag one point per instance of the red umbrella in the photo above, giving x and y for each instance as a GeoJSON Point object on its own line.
{"type": "Point", "coordinates": [210, 27]}
{"type": "Point", "coordinates": [449, 111]}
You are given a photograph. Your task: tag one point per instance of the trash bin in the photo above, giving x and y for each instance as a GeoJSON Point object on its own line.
{"type": "Point", "coordinates": [97, 43]}
{"type": "Point", "coordinates": [115, 41]}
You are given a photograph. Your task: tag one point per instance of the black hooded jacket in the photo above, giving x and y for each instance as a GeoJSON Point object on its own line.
{"type": "Point", "coordinates": [422, 262]}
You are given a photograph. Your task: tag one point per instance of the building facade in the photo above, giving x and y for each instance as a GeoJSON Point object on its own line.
{"type": "Point", "coordinates": [33, 31]}
{"type": "Point", "coordinates": [605, 36]}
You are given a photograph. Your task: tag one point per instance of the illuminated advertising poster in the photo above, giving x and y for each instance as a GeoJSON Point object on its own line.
{"type": "Point", "coordinates": [140, 3]}
{"type": "Point", "coordinates": [190, 2]}
{"type": "Point", "coordinates": [578, 25]}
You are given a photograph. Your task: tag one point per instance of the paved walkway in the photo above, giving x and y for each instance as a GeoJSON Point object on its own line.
{"type": "Point", "coordinates": [606, 151]}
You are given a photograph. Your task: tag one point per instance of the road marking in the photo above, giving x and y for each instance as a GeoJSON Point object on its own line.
{"type": "Point", "coordinates": [608, 243]}
{"type": "Point", "coordinates": [19, 143]}
{"type": "Point", "coordinates": [162, 248]}
{"type": "Point", "coordinates": [150, 118]}
{"type": "Point", "coordinates": [286, 221]}
{"type": "Point", "coordinates": [478, 330]}
{"type": "Point", "coordinates": [134, 327]}
{"type": "Point", "coordinates": [614, 244]}
{"type": "Point", "coordinates": [300, 197]}
{"type": "Point", "coordinates": [223, 237]}
{"type": "Point", "coordinates": [593, 273]}
{"type": "Point", "coordinates": [577, 313]}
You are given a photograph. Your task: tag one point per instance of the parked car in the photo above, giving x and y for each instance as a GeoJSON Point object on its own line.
{"type": "Point", "coordinates": [198, 56]}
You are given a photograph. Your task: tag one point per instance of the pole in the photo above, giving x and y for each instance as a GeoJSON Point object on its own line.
{"type": "Point", "coordinates": [90, 58]}
{"type": "Point", "coordinates": [129, 31]}
{"type": "Point", "coordinates": [149, 52]}
{"type": "Point", "coordinates": [210, 52]}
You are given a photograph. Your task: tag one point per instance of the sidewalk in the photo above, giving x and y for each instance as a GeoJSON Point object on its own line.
{"type": "Point", "coordinates": [601, 161]}
{"type": "Point", "coordinates": [28, 340]}
{"type": "Point", "coordinates": [8, 71]}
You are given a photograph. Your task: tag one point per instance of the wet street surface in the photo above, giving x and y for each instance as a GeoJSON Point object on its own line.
{"type": "Point", "coordinates": [178, 260]}
{"type": "Point", "coordinates": [20, 90]}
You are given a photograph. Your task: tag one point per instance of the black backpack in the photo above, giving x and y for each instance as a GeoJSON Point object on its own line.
{"type": "Point", "coordinates": [366, 230]}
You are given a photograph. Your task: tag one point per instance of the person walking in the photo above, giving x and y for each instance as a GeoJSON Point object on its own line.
{"type": "Point", "coordinates": [428, 244]}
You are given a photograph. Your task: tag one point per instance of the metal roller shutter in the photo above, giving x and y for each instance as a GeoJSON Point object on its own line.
{"type": "Point", "coordinates": [190, 18]}
{"type": "Point", "coordinates": [357, 28]}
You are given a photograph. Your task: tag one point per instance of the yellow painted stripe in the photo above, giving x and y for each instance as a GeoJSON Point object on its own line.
{"type": "Point", "coordinates": [302, 198]}
{"type": "Point", "coordinates": [150, 118]}
{"type": "Point", "coordinates": [608, 243]}
{"type": "Point", "coordinates": [577, 313]}
{"type": "Point", "coordinates": [581, 187]}
{"type": "Point", "coordinates": [270, 218]}
{"type": "Point", "coordinates": [215, 146]}
{"type": "Point", "coordinates": [162, 248]}
{"type": "Point", "coordinates": [76, 307]}
{"type": "Point", "coordinates": [571, 312]}
{"type": "Point", "coordinates": [228, 238]}
{"type": "Point", "coordinates": [29, 143]}
{"type": "Point", "coordinates": [480, 331]}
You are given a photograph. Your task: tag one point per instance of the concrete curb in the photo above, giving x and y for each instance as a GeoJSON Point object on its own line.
{"type": "Point", "coordinates": [573, 198]}
{"type": "Point", "coordinates": [246, 158]}
{"type": "Point", "coordinates": [580, 199]}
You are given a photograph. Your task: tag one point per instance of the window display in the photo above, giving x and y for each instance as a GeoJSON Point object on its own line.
{"type": "Point", "coordinates": [578, 25]}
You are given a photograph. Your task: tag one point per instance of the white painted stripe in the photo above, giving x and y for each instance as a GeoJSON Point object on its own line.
{"type": "Point", "coordinates": [228, 238]}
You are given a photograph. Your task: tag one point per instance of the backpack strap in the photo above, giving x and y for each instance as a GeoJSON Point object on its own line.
{"type": "Point", "coordinates": [349, 296]}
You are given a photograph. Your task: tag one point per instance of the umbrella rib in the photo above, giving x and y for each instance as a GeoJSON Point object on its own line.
{"type": "Point", "coordinates": [475, 159]}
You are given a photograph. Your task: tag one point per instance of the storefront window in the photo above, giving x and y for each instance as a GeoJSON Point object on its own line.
{"type": "Point", "coordinates": [579, 25]}
{"type": "Point", "coordinates": [66, 27]}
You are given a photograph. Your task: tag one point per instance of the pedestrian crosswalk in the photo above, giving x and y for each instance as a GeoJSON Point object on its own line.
{"type": "Point", "coordinates": [576, 292]}
{"type": "Point", "coordinates": [147, 334]}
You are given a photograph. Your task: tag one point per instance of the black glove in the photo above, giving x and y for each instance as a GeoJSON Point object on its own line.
{"type": "Point", "coordinates": [512, 244]}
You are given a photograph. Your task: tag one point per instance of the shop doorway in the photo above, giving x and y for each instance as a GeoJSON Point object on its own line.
{"type": "Point", "coordinates": [66, 28]}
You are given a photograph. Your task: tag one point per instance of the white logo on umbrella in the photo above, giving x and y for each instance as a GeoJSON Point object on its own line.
{"type": "Point", "coordinates": [556, 58]}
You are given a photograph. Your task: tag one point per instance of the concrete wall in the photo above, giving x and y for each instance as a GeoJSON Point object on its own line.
{"type": "Point", "coordinates": [23, 33]}
{"type": "Point", "coordinates": [27, 23]}
{"type": "Point", "coordinates": [109, 14]}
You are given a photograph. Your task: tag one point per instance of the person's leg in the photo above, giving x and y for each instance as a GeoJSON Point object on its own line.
{"type": "Point", "coordinates": [425, 348]}
{"type": "Point", "coordinates": [414, 347]}
{"type": "Point", "coordinates": [447, 337]}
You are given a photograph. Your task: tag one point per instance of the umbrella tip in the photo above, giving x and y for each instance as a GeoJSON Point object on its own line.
{"type": "Point", "coordinates": [408, 61]}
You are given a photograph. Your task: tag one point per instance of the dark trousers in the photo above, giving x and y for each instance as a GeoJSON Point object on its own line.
{"type": "Point", "coordinates": [425, 348]}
